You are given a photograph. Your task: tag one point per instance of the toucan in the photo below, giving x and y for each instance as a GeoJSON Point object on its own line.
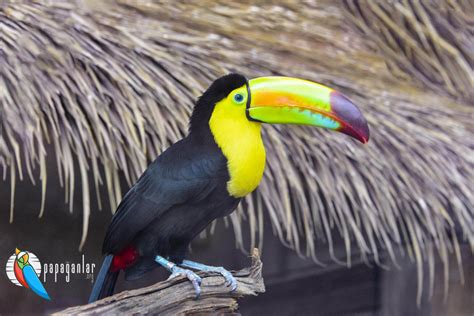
{"type": "Point", "coordinates": [205, 175]}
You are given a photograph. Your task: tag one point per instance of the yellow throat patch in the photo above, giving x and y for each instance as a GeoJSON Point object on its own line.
{"type": "Point", "coordinates": [241, 143]}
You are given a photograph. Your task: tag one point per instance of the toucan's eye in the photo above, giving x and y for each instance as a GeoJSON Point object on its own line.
{"type": "Point", "coordinates": [239, 98]}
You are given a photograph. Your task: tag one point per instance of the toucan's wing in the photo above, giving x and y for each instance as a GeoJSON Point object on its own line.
{"type": "Point", "coordinates": [181, 173]}
{"type": "Point", "coordinates": [34, 282]}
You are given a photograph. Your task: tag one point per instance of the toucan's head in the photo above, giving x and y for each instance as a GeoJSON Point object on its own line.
{"type": "Point", "coordinates": [278, 100]}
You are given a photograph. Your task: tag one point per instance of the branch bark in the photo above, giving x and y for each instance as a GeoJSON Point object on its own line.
{"type": "Point", "coordinates": [176, 296]}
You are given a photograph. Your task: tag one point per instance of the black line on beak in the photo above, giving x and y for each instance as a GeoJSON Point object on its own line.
{"type": "Point", "coordinates": [249, 100]}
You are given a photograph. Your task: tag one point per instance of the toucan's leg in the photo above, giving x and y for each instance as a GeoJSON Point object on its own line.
{"type": "Point", "coordinates": [175, 271]}
{"type": "Point", "coordinates": [230, 280]}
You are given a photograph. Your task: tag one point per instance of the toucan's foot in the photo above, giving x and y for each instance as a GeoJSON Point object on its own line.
{"type": "Point", "coordinates": [193, 277]}
{"type": "Point", "coordinates": [230, 280]}
{"type": "Point", "coordinates": [177, 271]}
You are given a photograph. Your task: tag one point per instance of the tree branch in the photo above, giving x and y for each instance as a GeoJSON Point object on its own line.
{"type": "Point", "coordinates": [176, 296]}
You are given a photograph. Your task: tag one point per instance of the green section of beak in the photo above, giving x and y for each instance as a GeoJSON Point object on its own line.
{"type": "Point", "coordinates": [284, 100]}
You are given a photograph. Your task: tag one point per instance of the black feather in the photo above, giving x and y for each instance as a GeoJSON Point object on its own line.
{"type": "Point", "coordinates": [218, 90]}
{"type": "Point", "coordinates": [186, 181]}
{"type": "Point", "coordinates": [105, 283]}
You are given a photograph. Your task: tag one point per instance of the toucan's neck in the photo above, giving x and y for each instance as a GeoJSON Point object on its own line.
{"type": "Point", "coordinates": [241, 143]}
{"type": "Point", "coordinates": [218, 122]}
{"type": "Point", "coordinates": [199, 121]}
{"type": "Point", "coordinates": [199, 129]}
{"type": "Point", "coordinates": [202, 136]}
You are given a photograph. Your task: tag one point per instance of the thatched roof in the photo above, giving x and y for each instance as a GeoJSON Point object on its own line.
{"type": "Point", "coordinates": [111, 85]}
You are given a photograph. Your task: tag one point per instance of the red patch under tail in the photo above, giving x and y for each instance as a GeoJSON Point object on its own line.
{"type": "Point", "coordinates": [126, 258]}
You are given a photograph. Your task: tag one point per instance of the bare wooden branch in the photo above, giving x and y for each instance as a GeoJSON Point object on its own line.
{"type": "Point", "coordinates": [176, 296]}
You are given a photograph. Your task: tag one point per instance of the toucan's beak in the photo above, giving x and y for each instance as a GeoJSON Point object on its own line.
{"type": "Point", "coordinates": [284, 100]}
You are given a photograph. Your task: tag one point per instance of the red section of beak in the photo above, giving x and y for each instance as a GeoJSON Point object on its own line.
{"type": "Point", "coordinates": [353, 122]}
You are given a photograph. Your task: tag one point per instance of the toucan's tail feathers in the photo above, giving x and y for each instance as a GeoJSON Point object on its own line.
{"type": "Point", "coordinates": [105, 283]}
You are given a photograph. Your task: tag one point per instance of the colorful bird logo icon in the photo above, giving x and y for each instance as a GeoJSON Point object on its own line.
{"type": "Point", "coordinates": [23, 269]}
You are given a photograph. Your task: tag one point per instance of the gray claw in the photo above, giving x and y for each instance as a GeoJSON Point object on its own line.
{"type": "Point", "coordinates": [191, 276]}
{"type": "Point", "coordinates": [229, 278]}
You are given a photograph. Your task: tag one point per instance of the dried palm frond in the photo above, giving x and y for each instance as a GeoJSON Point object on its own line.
{"type": "Point", "coordinates": [430, 40]}
{"type": "Point", "coordinates": [111, 85]}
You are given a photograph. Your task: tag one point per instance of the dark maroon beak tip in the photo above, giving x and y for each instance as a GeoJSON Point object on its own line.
{"type": "Point", "coordinates": [355, 123]}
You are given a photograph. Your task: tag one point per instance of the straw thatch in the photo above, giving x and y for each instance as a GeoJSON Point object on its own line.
{"type": "Point", "coordinates": [111, 85]}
